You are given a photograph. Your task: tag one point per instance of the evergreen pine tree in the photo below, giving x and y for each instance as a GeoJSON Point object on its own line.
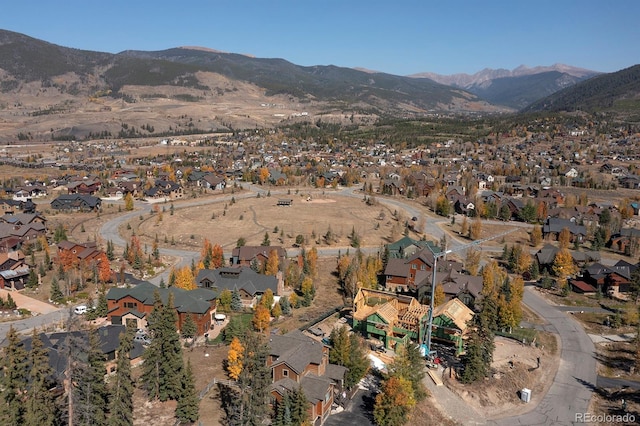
{"type": "Point", "coordinates": [110, 254]}
{"type": "Point", "coordinates": [280, 408]}
{"type": "Point", "coordinates": [152, 354]}
{"type": "Point", "coordinates": [121, 392]}
{"type": "Point", "coordinates": [189, 328]}
{"type": "Point", "coordinates": [299, 406]}
{"type": "Point", "coordinates": [40, 404]}
{"type": "Point", "coordinates": [162, 283]}
{"type": "Point", "coordinates": [285, 306]}
{"type": "Point", "coordinates": [188, 401]}
{"type": "Point", "coordinates": [250, 406]}
{"type": "Point", "coordinates": [56, 293]}
{"type": "Point", "coordinates": [479, 353]}
{"type": "Point", "coordinates": [162, 376]}
{"type": "Point", "coordinates": [409, 365]}
{"type": "Point", "coordinates": [13, 382]}
{"type": "Point", "coordinates": [236, 301]}
{"type": "Point", "coordinates": [89, 388]}
{"type": "Point", "coordinates": [102, 307]}
{"type": "Point", "coordinates": [32, 280]}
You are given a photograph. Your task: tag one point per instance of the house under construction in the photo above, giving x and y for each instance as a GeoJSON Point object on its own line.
{"type": "Point", "coordinates": [392, 319]}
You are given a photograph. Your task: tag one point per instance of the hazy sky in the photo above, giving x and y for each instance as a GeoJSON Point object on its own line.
{"type": "Point", "coordinates": [394, 36]}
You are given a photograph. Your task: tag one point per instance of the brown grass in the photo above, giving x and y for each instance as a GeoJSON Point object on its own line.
{"type": "Point", "coordinates": [252, 218]}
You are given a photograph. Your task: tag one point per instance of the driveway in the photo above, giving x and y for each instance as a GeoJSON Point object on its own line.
{"type": "Point", "coordinates": [33, 305]}
{"type": "Point", "coordinates": [358, 412]}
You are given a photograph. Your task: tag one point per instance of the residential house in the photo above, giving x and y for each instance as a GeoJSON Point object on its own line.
{"type": "Point", "coordinates": [401, 275]}
{"type": "Point", "coordinates": [623, 241]}
{"type": "Point", "coordinates": [76, 202]}
{"type": "Point", "coordinates": [88, 187]}
{"type": "Point", "coordinates": [57, 347]}
{"type": "Point", "coordinates": [466, 288]}
{"type": "Point", "coordinates": [256, 255]}
{"type": "Point", "coordinates": [164, 189]}
{"type": "Point", "coordinates": [242, 279]}
{"type": "Point", "coordinates": [213, 182]}
{"type": "Point", "coordinates": [554, 225]}
{"type": "Point", "coordinates": [406, 247]}
{"type": "Point", "coordinates": [298, 361]}
{"type": "Point", "coordinates": [131, 306]}
{"type": "Point", "coordinates": [14, 272]}
{"type": "Point", "coordinates": [14, 236]}
{"type": "Point", "coordinates": [86, 253]}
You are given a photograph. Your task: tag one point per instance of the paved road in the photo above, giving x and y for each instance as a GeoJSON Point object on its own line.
{"type": "Point", "coordinates": [28, 324]}
{"type": "Point", "coordinates": [571, 390]}
{"type": "Point", "coordinates": [576, 376]}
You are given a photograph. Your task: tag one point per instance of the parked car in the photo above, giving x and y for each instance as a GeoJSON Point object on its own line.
{"type": "Point", "coordinates": [143, 340]}
{"type": "Point", "coordinates": [80, 309]}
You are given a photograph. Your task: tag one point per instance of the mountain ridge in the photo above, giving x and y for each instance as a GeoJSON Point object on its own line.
{"type": "Point", "coordinates": [465, 80]}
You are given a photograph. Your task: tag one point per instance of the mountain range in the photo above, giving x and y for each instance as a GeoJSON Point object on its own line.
{"type": "Point", "coordinates": [516, 88]}
{"type": "Point", "coordinates": [49, 91]}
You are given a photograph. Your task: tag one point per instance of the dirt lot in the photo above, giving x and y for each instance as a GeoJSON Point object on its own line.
{"type": "Point", "coordinates": [616, 360]}
{"type": "Point", "coordinates": [514, 367]}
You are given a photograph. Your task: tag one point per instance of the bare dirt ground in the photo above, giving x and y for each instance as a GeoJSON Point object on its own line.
{"type": "Point", "coordinates": [616, 360]}
{"type": "Point", "coordinates": [514, 368]}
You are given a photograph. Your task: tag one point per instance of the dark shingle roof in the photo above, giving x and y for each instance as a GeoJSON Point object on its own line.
{"type": "Point", "coordinates": [242, 278]}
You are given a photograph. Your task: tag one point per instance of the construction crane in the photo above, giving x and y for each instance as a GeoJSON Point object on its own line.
{"type": "Point", "coordinates": [438, 255]}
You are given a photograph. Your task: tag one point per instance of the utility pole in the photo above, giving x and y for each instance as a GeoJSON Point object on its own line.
{"type": "Point", "coordinates": [438, 255]}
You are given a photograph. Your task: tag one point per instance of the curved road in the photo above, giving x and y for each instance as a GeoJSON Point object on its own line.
{"type": "Point", "coordinates": [571, 390]}
{"type": "Point", "coordinates": [572, 386]}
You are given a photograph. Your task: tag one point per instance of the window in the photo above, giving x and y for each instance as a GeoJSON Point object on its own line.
{"type": "Point", "coordinates": [422, 267]}
{"type": "Point", "coordinates": [285, 373]}
{"type": "Point", "coordinates": [130, 305]}
{"type": "Point", "coordinates": [414, 266]}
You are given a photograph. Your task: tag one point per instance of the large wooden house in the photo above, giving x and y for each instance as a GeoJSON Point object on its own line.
{"type": "Point", "coordinates": [130, 306]}
{"type": "Point", "coordinates": [298, 361]}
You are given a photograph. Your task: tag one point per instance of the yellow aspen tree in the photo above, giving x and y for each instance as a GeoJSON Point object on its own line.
{"type": "Point", "coordinates": [276, 312]}
{"type": "Point", "coordinates": [273, 263]}
{"type": "Point", "coordinates": [261, 318]}
{"type": "Point", "coordinates": [234, 359]}
{"type": "Point", "coordinates": [564, 238]}
{"type": "Point", "coordinates": [472, 261]}
{"type": "Point", "coordinates": [128, 202]}
{"type": "Point", "coordinates": [312, 261]}
{"type": "Point", "coordinates": [438, 295]}
{"type": "Point", "coordinates": [464, 227]}
{"type": "Point", "coordinates": [185, 279]}
{"type": "Point", "coordinates": [536, 236]}
{"type": "Point", "coordinates": [217, 256]}
{"type": "Point", "coordinates": [523, 261]}
{"type": "Point", "coordinates": [267, 299]}
{"type": "Point", "coordinates": [476, 229]}
{"type": "Point", "coordinates": [564, 267]}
